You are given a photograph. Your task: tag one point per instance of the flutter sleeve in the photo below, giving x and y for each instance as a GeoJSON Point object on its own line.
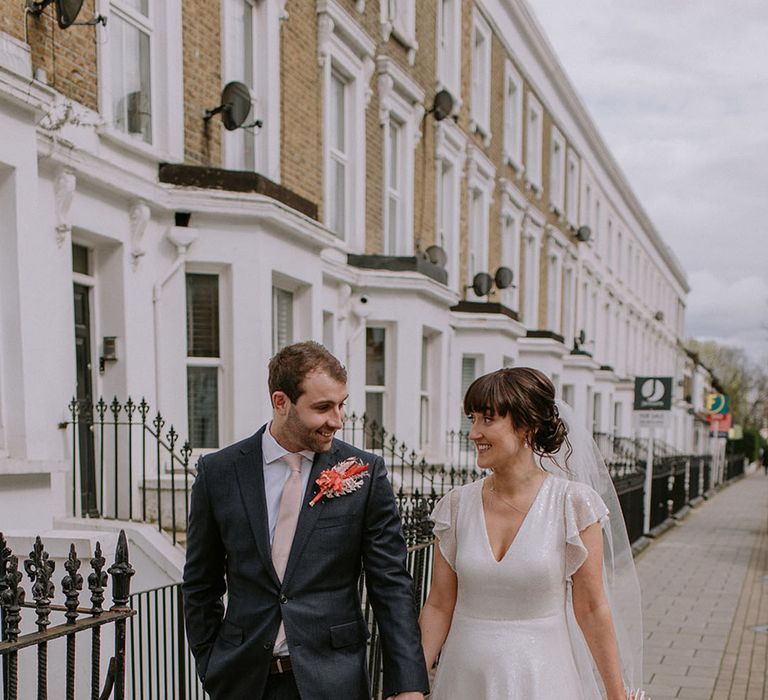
{"type": "Point", "coordinates": [583, 507]}
{"type": "Point", "coordinates": [444, 518]}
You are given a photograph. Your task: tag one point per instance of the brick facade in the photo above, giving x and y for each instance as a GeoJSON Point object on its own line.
{"type": "Point", "coordinates": [68, 57]}
{"type": "Point", "coordinates": [201, 25]}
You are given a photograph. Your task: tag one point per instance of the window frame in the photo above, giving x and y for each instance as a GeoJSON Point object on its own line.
{"type": "Point", "coordinates": [218, 362]}
{"type": "Point", "coordinates": [448, 63]}
{"type": "Point", "coordinates": [277, 291]}
{"type": "Point", "coordinates": [345, 47]}
{"type": "Point", "coordinates": [398, 18]}
{"type": "Point", "coordinates": [166, 92]}
{"type": "Point", "coordinates": [400, 100]}
{"type": "Point", "coordinates": [480, 78]}
{"type": "Point", "coordinates": [532, 237]}
{"type": "Point", "coordinates": [450, 148]}
{"type": "Point", "coordinates": [572, 188]}
{"type": "Point", "coordinates": [534, 142]}
{"type": "Point", "coordinates": [464, 424]}
{"type": "Point", "coordinates": [557, 170]}
{"type": "Point", "coordinates": [265, 91]}
{"type": "Point", "coordinates": [481, 174]}
{"type": "Point", "coordinates": [557, 248]}
{"type": "Point", "coordinates": [513, 207]}
{"type": "Point", "coordinates": [513, 117]}
{"type": "Point", "coordinates": [381, 389]}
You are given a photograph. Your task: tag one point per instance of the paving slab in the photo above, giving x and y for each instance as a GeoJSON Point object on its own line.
{"type": "Point", "coordinates": [705, 591]}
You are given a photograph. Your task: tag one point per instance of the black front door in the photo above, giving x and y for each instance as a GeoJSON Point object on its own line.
{"type": "Point", "coordinates": [88, 500]}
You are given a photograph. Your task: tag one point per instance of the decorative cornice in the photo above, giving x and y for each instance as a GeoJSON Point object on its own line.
{"type": "Point", "coordinates": [481, 171]}
{"type": "Point", "coordinates": [138, 216]}
{"type": "Point", "coordinates": [335, 20]}
{"type": "Point", "coordinates": [64, 191]}
{"type": "Point", "coordinates": [396, 86]}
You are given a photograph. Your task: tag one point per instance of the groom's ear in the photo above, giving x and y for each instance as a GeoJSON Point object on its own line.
{"type": "Point", "coordinates": [280, 403]}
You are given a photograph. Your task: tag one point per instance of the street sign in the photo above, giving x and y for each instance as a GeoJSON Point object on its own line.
{"type": "Point", "coordinates": [653, 393]}
{"type": "Point", "coordinates": [720, 424]}
{"type": "Point", "coordinates": [717, 403]}
{"type": "Point", "coordinates": [651, 419]}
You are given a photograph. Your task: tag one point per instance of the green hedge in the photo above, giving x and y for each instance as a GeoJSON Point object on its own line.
{"type": "Point", "coordinates": [749, 445]}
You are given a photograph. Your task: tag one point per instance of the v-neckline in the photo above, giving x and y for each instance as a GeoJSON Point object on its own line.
{"type": "Point", "coordinates": [519, 529]}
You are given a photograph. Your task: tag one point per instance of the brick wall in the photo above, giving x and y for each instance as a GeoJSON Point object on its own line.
{"type": "Point", "coordinates": [68, 56]}
{"type": "Point", "coordinates": [201, 26]}
{"type": "Point", "coordinates": [301, 107]}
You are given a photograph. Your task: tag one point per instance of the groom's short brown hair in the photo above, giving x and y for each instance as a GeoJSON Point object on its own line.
{"type": "Point", "coordinates": [289, 367]}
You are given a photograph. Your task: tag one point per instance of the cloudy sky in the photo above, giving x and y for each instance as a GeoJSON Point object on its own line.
{"type": "Point", "coordinates": [679, 91]}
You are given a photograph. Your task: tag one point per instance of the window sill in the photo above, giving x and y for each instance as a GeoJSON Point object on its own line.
{"type": "Point", "coordinates": [557, 211]}
{"type": "Point", "coordinates": [534, 187]}
{"type": "Point", "coordinates": [133, 145]}
{"type": "Point", "coordinates": [514, 163]}
{"type": "Point", "coordinates": [409, 42]}
{"type": "Point", "coordinates": [483, 132]}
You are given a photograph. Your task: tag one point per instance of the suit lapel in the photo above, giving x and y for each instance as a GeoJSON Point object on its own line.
{"type": "Point", "coordinates": [308, 516]}
{"type": "Point", "coordinates": [250, 477]}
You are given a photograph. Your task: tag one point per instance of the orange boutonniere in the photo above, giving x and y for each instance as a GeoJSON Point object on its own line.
{"type": "Point", "coordinates": [344, 478]}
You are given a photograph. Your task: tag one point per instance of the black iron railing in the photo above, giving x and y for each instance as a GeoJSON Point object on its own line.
{"type": "Point", "coordinates": [39, 567]}
{"type": "Point", "coordinates": [160, 662]}
{"type": "Point", "coordinates": [137, 469]}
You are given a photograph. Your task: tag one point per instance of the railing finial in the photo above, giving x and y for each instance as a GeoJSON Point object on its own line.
{"type": "Point", "coordinates": [12, 598]}
{"type": "Point", "coordinates": [40, 569]}
{"type": "Point", "coordinates": [72, 584]}
{"type": "Point", "coordinates": [121, 572]}
{"type": "Point", "coordinates": [97, 581]}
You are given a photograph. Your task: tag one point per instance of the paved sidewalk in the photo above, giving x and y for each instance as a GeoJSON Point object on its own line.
{"type": "Point", "coordinates": [705, 589]}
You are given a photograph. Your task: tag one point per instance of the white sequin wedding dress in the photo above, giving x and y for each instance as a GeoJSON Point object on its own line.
{"type": "Point", "coordinates": [513, 633]}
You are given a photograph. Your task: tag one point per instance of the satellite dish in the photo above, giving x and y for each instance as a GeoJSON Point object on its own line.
{"type": "Point", "coordinates": [443, 105]}
{"type": "Point", "coordinates": [436, 255]}
{"type": "Point", "coordinates": [583, 233]}
{"type": "Point", "coordinates": [504, 277]}
{"type": "Point", "coordinates": [66, 12]}
{"type": "Point", "coordinates": [482, 283]}
{"type": "Point", "coordinates": [235, 106]}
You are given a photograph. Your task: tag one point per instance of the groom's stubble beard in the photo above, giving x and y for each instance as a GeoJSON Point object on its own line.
{"type": "Point", "coordinates": [305, 436]}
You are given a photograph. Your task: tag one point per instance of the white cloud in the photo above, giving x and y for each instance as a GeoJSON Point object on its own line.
{"type": "Point", "coordinates": [731, 313]}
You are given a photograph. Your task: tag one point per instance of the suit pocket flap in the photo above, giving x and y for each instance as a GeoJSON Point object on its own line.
{"type": "Point", "coordinates": [335, 520]}
{"type": "Point", "coordinates": [231, 633]}
{"type": "Point", "coordinates": [349, 634]}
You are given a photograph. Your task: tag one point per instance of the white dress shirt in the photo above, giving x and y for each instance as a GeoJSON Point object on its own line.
{"type": "Point", "coordinates": [276, 473]}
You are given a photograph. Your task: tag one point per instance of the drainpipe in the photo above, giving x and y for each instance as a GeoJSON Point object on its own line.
{"type": "Point", "coordinates": [182, 237]}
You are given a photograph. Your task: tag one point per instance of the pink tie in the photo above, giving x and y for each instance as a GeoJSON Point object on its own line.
{"type": "Point", "coordinates": [288, 516]}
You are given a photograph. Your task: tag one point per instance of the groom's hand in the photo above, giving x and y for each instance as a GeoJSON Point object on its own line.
{"type": "Point", "coordinates": [407, 696]}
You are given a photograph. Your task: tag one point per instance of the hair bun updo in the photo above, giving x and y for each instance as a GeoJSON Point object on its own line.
{"type": "Point", "coordinates": [549, 434]}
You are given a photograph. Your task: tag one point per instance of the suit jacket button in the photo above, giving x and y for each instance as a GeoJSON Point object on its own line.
{"type": "Point", "coordinates": [283, 599]}
{"type": "Point", "coordinates": [267, 645]}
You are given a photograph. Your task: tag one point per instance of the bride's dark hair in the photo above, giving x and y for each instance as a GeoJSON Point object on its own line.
{"type": "Point", "coordinates": [528, 397]}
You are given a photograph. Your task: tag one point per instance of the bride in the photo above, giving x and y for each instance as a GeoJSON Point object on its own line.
{"type": "Point", "coordinates": [533, 576]}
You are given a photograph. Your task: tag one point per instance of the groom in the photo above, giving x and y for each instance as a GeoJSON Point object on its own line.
{"type": "Point", "coordinates": [292, 627]}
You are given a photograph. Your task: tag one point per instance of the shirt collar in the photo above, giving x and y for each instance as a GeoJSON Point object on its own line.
{"type": "Point", "coordinates": [273, 450]}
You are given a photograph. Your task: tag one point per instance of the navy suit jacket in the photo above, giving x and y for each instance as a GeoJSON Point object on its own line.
{"type": "Point", "coordinates": [228, 550]}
